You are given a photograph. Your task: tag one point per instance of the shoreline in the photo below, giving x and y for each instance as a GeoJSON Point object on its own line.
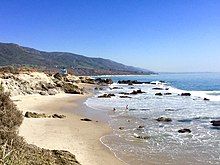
{"type": "Point", "coordinates": [81, 138]}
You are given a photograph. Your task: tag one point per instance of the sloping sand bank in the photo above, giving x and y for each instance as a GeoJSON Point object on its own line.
{"type": "Point", "coordinates": [79, 137]}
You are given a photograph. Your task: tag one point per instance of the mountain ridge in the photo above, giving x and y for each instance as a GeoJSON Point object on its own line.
{"type": "Point", "coordinates": [14, 54]}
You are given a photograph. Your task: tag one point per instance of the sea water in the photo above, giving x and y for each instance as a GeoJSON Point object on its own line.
{"type": "Point", "coordinates": [160, 142]}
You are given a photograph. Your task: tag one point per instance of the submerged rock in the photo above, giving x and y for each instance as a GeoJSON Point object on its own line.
{"type": "Point", "coordinates": [206, 99]}
{"type": "Point", "coordinates": [184, 130]}
{"type": "Point", "coordinates": [164, 119]}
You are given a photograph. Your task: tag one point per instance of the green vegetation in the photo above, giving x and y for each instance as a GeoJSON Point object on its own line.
{"type": "Point", "coordinates": [12, 54]}
{"type": "Point", "coordinates": [14, 150]}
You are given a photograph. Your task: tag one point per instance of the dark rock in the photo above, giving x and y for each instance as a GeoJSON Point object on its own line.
{"type": "Point", "coordinates": [157, 88]}
{"type": "Point", "coordinates": [141, 126]}
{"type": "Point", "coordinates": [124, 97]}
{"type": "Point", "coordinates": [121, 128]}
{"type": "Point", "coordinates": [43, 93]}
{"type": "Point", "coordinates": [116, 88]}
{"type": "Point", "coordinates": [215, 122]}
{"type": "Point", "coordinates": [206, 99]}
{"type": "Point", "coordinates": [104, 81]}
{"type": "Point", "coordinates": [85, 119]}
{"type": "Point", "coordinates": [136, 92]}
{"type": "Point", "coordinates": [167, 93]}
{"type": "Point", "coordinates": [185, 94]}
{"type": "Point", "coordinates": [164, 119]}
{"type": "Point", "coordinates": [158, 94]}
{"type": "Point", "coordinates": [35, 115]}
{"type": "Point", "coordinates": [184, 130]}
{"type": "Point", "coordinates": [169, 109]}
{"type": "Point", "coordinates": [58, 116]}
{"type": "Point", "coordinates": [106, 95]}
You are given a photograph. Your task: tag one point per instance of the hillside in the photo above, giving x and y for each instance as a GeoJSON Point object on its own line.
{"type": "Point", "coordinates": [13, 54]}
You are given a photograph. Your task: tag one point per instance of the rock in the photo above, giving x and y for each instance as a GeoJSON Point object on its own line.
{"type": "Point", "coordinates": [140, 136]}
{"type": "Point", "coordinates": [136, 92]}
{"type": "Point", "coordinates": [106, 95]}
{"type": "Point", "coordinates": [51, 92]}
{"type": "Point", "coordinates": [123, 97]}
{"type": "Point", "coordinates": [103, 81]}
{"type": "Point", "coordinates": [58, 116]}
{"type": "Point", "coordinates": [158, 94]}
{"type": "Point", "coordinates": [167, 93]}
{"type": "Point", "coordinates": [215, 122]}
{"type": "Point", "coordinates": [85, 119]}
{"type": "Point", "coordinates": [116, 88]}
{"type": "Point", "coordinates": [157, 88]}
{"type": "Point", "coordinates": [35, 115]}
{"type": "Point", "coordinates": [164, 119]}
{"type": "Point", "coordinates": [184, 130]}
{"type": "Point", "coordinates": [206, 99]}
{"type": "Point", "coordinates": [141, 126]}
{"type": "Point", "coordinates": [43, 93]}
{"type": "Point", "coordinates": [185, 94]}
{"type": "Point", "coordinates": [121, 128]}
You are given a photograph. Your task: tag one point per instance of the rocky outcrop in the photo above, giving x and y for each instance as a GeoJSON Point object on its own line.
{"type": "Point", "coordinates": [100, 81]}
{"type": "Point", "coordinates": [215, 122]}
{"type": "Point", "coordinates": [42, 115]}
{"type": "Point", "coordinates": [38, 83]}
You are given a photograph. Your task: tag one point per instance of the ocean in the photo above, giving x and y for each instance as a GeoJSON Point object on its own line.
{"type": "Point", "coordinates": [139, 139]}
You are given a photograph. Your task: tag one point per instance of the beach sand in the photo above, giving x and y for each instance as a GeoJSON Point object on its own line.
{"type": "Point", "coordinates": [79, 137]}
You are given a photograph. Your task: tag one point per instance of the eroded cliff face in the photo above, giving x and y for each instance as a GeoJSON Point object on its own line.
{"type": "Point", "coordinates": [38, 83]}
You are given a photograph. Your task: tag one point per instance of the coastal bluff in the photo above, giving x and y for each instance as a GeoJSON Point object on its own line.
{"type": "Point", "coordinates": [26, 83]}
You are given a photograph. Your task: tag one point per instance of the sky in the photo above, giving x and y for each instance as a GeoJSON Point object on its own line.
{"type": "Point", "coordinates": [159, 35]}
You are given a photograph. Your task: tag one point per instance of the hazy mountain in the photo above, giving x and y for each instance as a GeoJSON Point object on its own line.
{"type": "Point", "coordinates": [13, 54]}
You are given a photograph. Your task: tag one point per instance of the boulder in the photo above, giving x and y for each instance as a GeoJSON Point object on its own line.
{"type": "Point", "coordinates": [140, 136]}
{"type": "Point", "coordinates": [215, 122]}
{"type": "Point", "coordinates": [106, 95]}
{"type": "Point", "coordinates": [164, 119]}
{"type": "Point", "coordinates": [206, 99]}
{"type": "Point", "coordinates": [35, 115]}
{"type": "Point", "coordinates": [185, 94]}
{"type": "Point", "coordinates": [85, 119]}
{"type": "Point", "coordinates": [136, 92]}
{"type": "Point", "coordinates": [43, 93]}
{"type": "Point", "coordinates": [158, 94]}
{"type": "Point", "coordinates": [58, 116]}
{"type": "Point", "coordinates": [184, 130]}
{"type": "Point", "coordinates": [167, 93]}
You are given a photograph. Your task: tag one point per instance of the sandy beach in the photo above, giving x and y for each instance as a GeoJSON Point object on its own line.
{"type": "Point", "coordinates": [79, 137]}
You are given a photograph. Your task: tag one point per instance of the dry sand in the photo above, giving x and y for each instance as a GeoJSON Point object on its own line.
{"type": "Point", "coordinates": [79, 137]}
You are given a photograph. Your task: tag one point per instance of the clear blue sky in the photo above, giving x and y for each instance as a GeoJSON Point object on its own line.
{"type": "Point", "coordinates": [160, 35]}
